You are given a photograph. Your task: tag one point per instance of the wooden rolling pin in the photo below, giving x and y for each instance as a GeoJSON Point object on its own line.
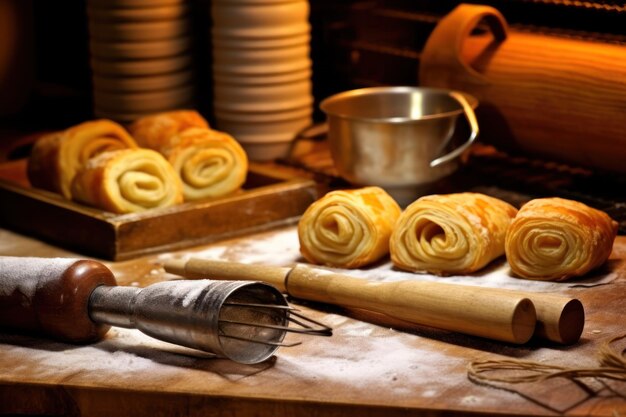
{"type": "Point", "coordinates": [499, 315]}
{"type": "Point", "coordinates": [506, 315]}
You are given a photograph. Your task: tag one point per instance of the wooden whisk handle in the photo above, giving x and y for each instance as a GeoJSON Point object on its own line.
{"type": "Point", "coordinates": [51, 296]}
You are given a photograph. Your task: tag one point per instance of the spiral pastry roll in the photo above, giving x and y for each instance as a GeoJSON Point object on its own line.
{"type": "Point", "coordinates": [57, 157]}
{"type": "Point", "coordinates": [555, 239]}
{"type": "Point", "coordinates": [208, 162]}
{"type": "Point", "coordinates": [155, 131]}
{"type": "Point", "coordinates": [450, 234]}
{"type": "Point", "coordinates": [127, 181]}
{"type": "Point", "coordinates": [348, 228]}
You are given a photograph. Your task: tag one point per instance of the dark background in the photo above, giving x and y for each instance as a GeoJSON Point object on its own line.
{"type": "Point", "coordinates": [354, 44]}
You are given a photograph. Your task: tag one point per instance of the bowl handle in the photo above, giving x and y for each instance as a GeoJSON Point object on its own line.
{"type": "Point", "coordinates": [471, 119]}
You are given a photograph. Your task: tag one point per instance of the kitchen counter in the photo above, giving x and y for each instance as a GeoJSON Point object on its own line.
{"type": "Point", "coordinates": [369, 367]}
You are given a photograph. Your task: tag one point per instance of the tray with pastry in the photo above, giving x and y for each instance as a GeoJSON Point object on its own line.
{"type": "Point", "coordinates": [165, 182]}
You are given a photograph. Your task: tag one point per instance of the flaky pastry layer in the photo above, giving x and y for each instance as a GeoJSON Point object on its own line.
{"type": "Point", "coordinates": [348, 228]}
{"type": "Point", "coordinates": [556, 239]}
{"type": "Point", "coordinates": [127, 181]}
{"type": "Point", "coordinates": [209, 163]}
{"type": "Point", "coordinates": [156, 130]}
{"type": "Point", "coordinates": [57, 157]}
{"type": "Point", "coordinates": [450, 234]}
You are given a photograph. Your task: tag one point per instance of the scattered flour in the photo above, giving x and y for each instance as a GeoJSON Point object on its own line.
{"type": "Point", "coordinates": [48, 359]}
{"type": "Point", "coordinates": [401, 365]}
{"type": "Point", "coordinates": [390, 363]}
{"type": "Point", "coordinates": [281, 248]}
{"type": "Point", "coordinates": [357, 329]}
{"type": "Point", "coordinates": [471, 400]}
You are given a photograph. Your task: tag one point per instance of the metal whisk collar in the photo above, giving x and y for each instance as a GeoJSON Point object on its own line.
{"type": "Point", "coordinates": [245, 321]}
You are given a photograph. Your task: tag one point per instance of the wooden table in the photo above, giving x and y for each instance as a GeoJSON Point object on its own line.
{"type": "Point", "coordinates": [367, 368]}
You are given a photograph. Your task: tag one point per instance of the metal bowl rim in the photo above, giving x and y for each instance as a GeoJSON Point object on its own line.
{"type": "Point", "coordinates": [473, 102]}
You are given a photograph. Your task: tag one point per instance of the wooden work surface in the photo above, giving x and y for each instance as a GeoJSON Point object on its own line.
{"type": "Point", "coordinates": [364, 369]}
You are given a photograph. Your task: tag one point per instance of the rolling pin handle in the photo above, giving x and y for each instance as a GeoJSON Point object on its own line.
{"type": "Point", "coordinates": [559, 319]}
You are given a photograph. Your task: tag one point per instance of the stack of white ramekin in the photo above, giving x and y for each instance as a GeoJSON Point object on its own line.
{"type": "Point", "coordinates": [141, 57]}
{"type": "Point", "coordinates": [262, 72]}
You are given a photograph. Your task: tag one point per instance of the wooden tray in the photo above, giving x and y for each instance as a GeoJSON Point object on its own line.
{"type": "Point", "coordinates": [268, 199]}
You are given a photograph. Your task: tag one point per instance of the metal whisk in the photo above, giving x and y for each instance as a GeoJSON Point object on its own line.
{"type": "Point", "coordinates": [245, 321]}
{"type": "Point", "coordinates": [77, 300]}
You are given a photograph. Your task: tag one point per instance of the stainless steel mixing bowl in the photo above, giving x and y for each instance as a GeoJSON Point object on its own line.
{"type": "Point", "coordinates": [399, 138]}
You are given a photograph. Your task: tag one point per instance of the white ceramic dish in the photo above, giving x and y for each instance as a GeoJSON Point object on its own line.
{"type": "Point", "coordinates": [138, 31]}
{"type": "Point", "coordinates": [129, 4]}
{"type": "Point", "coordinates": [261, 79]}
{"type": "Point", "coordinates": [143, 14]}
{"type": "Point", "coordinates": [141, 67]}
{"type": "Point", "coordinates": [270, 93]}
{"type": "Point", "coordinates": [262, 32]}
{"type": "Point", "coordinates": [248, 117]}
{"type": "Point", "coordinates": [142, 84]}
{"type": "Point", "coordinates": [259, 15]}
{"type": "Point", "coordinates": [140, 50]}
{"type": "Point", "coordinates": [235, 56]}
{"type": "Point", "coordinates": [239, 128]}
{"type": "Point", "coordinates": [283, 67]}
{"type": "Point", "coordinates": [143, 102]}
{"type": "Point", "coordinates": [263, 106]}
{"type": "Point", "coordinates": [266, 151]}
{"type": "Point", "coordinates": [260, 43]}
{"type": "Point", "coordinates": [252, 1]}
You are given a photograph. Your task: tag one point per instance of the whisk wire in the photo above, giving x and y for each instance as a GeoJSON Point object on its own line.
{"type": "Point", "coordinates": [262, 342]}
{"type": "Point", "coordinates": [313, 327]}
{"type": "Point", "coordinates": [259, 305]}
{"type": "Point", "coordinates": [307, 325]}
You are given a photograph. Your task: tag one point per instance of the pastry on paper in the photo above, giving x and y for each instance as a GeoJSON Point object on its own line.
{"type": "Point", "coordinates": [57, 157]}
{"type": "Point", "coordinates": [156, 130]}
{"type": "Point", "coordinates": [348, 228]}
{"type": "Point", "coordinates": [451, 234]}
{"type": "Point", "coordinates": [127, 181]}
{"type": "Point", "coordinates": [556, 239]}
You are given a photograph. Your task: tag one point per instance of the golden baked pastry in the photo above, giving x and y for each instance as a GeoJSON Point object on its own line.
{"type": "Point", "coordinates": [156, 130]}
{"type": "Point", "coordinates": [127, 181]}
{"type": "Point", "coordinates": [450, 234]}
{"type": "Point", "coordinates": [348, 228]}
{"type": "Point", "coordinates": [209, 163]}
{"type": "Point", "coordinates": [556, 239]}
{"type": "Point", "coordinates": [56, 157]}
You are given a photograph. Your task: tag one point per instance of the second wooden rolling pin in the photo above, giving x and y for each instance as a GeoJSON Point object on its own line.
{"type": "Point", "coordinates": [495, 314]}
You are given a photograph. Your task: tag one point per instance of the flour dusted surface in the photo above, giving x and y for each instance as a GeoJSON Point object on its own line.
{"type": "Point", "coordinates": [281, 248]}
{"type": "Point", "coordinates": [362, 363]}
